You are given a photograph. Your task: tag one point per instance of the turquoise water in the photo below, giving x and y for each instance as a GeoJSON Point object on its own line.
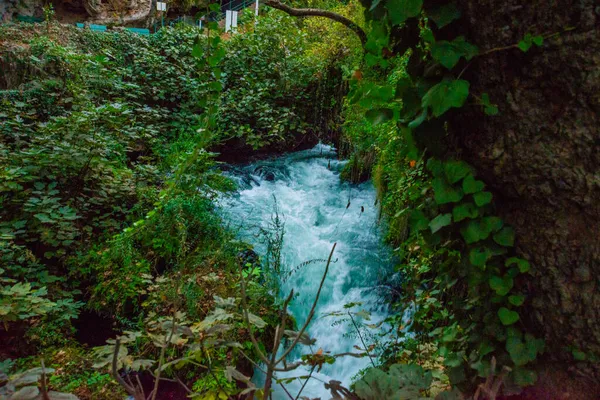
{"type": "Point", "coordinates": [317, 210]}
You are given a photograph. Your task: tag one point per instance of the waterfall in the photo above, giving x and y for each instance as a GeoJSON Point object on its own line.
{"type": "Point", "coordinates": [317, 210]}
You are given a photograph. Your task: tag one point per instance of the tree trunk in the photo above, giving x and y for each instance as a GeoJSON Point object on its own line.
{"type": "Point", "coordinates": [541, 155]}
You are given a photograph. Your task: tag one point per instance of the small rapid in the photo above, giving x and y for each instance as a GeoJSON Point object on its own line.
{"type": "Point", "coordinates": [317, 210]}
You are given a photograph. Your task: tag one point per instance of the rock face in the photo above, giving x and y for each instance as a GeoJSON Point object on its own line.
{"type": "Point", "coordinates": [10, 8]}
{"type": "Point", "coordinates": [541, 155]}
{"type": "Point", "coordinates": [119, 11]}
{"type": "Point", "coordinates": [96, 11]}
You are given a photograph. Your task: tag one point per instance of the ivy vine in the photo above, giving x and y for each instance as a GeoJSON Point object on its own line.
{"type": "Point", "coordinates": [477, 317]}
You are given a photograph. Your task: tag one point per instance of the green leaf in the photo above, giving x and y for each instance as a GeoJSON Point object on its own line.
{"type": "Point", "coordinates": [517, 350]}
{"type": "Point", "coordinates": [538, 40]}
{"type": "Point", "coordinates": [440, 221]}
{"type": "Point", "coordinates": [516, 299]}
{"type": "Point", "coordinates": [524, 45]}
{"type": "Point", "coordinates": [44, 218]}
{"type": "Point", "coordinates": [529, 40]}
{"type": "Point", "coordinates": [450, 333]}
{"type": "Point", "coordinates": [480, 229]}
{"type": "Point", "coordinates": [482, 198]}
{"type": "Point", "coordinates": [445, 14]}
{"type": "Point", "coordinates": [435, 166]}
{"type": "Point", "coordinates": [372, 60]}
{"type": "Point", "coordinates": [445, 95]}
{"type": "Point", "coordinates": [471, 185]}
{"type": "Point", "coordinates": [411, 104]}
{"type": "Point", "coordinates": [524, 377]}
{"type": "Point", "coordinates": [505, 237]}
{"type": "Point", "coordinates": [501, 285]}
{"type": "Point", "coordinates": [456, 170]}
{"type": "Point", "coordinates": [578, 355]}
{"type": "Point", "coordinates": [489, 108]}
{"type": "Point", "coordinates": [463, 211]}
{"type": "Point", "coordinates": [418, 221]}
{"type": "Point", "coordinates": [419, 120]}
{"type": "Point", "coordinates": [445, 193]}
{"type": "Point", "coordinates": [522, 264]}
{"type": "Point", "coordinates": [379, 115]}
{"type": "Point", "coordinates": [197, 50]}
{"type": "Point", "coordinates": [448, 53]}
{"type": "Point", "coordinates": [507, 317]}
{"type": "Point", "coordinates": [401, 10]}
{"type": "Point", "coordinates": [479, 256]}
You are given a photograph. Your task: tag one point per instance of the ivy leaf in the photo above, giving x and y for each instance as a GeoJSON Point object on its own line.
{"type": "Point", "coordinates": [445, 14]}
{"type": "Point", "coordinates": [445, 95]}
{"type": "Point", "coordinates": [524, 45]}
{"type": "Point", "coordinates": [379, 115]}
{"type": "Point", "coordinates": [418, 221]}
{"type": "Point", "coordinates": [463, 211]}
{"type": "Point", "coordinates": [489, 108]}
{"type": "Point", "coordinates": [578, 355]}
{"type": "Point", "coordinates": [411, 103]}
{"type": "Point", "coordinates": [482, 198]}
{"type": "Point", "coordinates": [505, 237]}
{"type": "Point", "coordinates": [516, 299]}
{"type": "Point", "coordinates": [198, 50]}
{"type": "Point", "coordinates": [435, 166]}
{"type": "Point", "coordinates": [419, 120]}
{"type": "Point", "coordinates": [445, 193]}
{"type": "Point", "coordinates": [440, 221]}
{"type": "Point", "coordinates": [534, 346]}
{"type": "Point", "coordinates": [529, 40]}
{"type": "Point", "coordinates": [501, 285]}
{"type": "Point", "coordinates": [456, 170]}
{"type": "Point", "coordinates": [479, 256]}
{"type": "Point", "coordinates": [524, 377]}
{"type": "Point", "coordinates": [471, 185]}
{"type": "Point", "coordinates": [507, 317]}
{"type": "Point", "coordinates": [522, 264]}
{"type": "Point", "coordinates": [480, 229]}
{"type": "Point", "coordinates": [401, 10]}
{"type": "Point", "coordinates": [448, 53]}
{"type": "Point", "coordinates": [517, 350]}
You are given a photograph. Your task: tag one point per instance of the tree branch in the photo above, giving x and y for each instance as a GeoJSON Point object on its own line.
{"type": "Point", "coordinates": [316, 12]}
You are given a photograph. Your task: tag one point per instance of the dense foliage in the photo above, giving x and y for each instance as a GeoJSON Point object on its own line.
{"type": "Point", "coordinates": [108, 183]}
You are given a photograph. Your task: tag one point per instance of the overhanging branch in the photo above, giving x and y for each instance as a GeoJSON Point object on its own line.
{"type": "Point", "coordinates": [316, 12]}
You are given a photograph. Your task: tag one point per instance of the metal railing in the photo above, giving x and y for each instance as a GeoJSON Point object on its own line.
{"type": "Point", "coordinates": [214, 16]}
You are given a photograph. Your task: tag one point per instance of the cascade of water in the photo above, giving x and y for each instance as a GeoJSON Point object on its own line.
{"type": "Point", "coordinates": [317, 210]}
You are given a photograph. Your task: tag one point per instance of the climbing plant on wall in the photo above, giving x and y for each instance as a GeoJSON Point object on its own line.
{"type": "Point", "coordinates": [458, 257]}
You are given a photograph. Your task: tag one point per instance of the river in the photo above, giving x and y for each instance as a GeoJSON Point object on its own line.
{"type": "Point", "coordinates": [317, 210]}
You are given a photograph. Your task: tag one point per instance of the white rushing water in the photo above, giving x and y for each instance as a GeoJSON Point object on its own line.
{"type": "Point", "coordinates": [313, 204]}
